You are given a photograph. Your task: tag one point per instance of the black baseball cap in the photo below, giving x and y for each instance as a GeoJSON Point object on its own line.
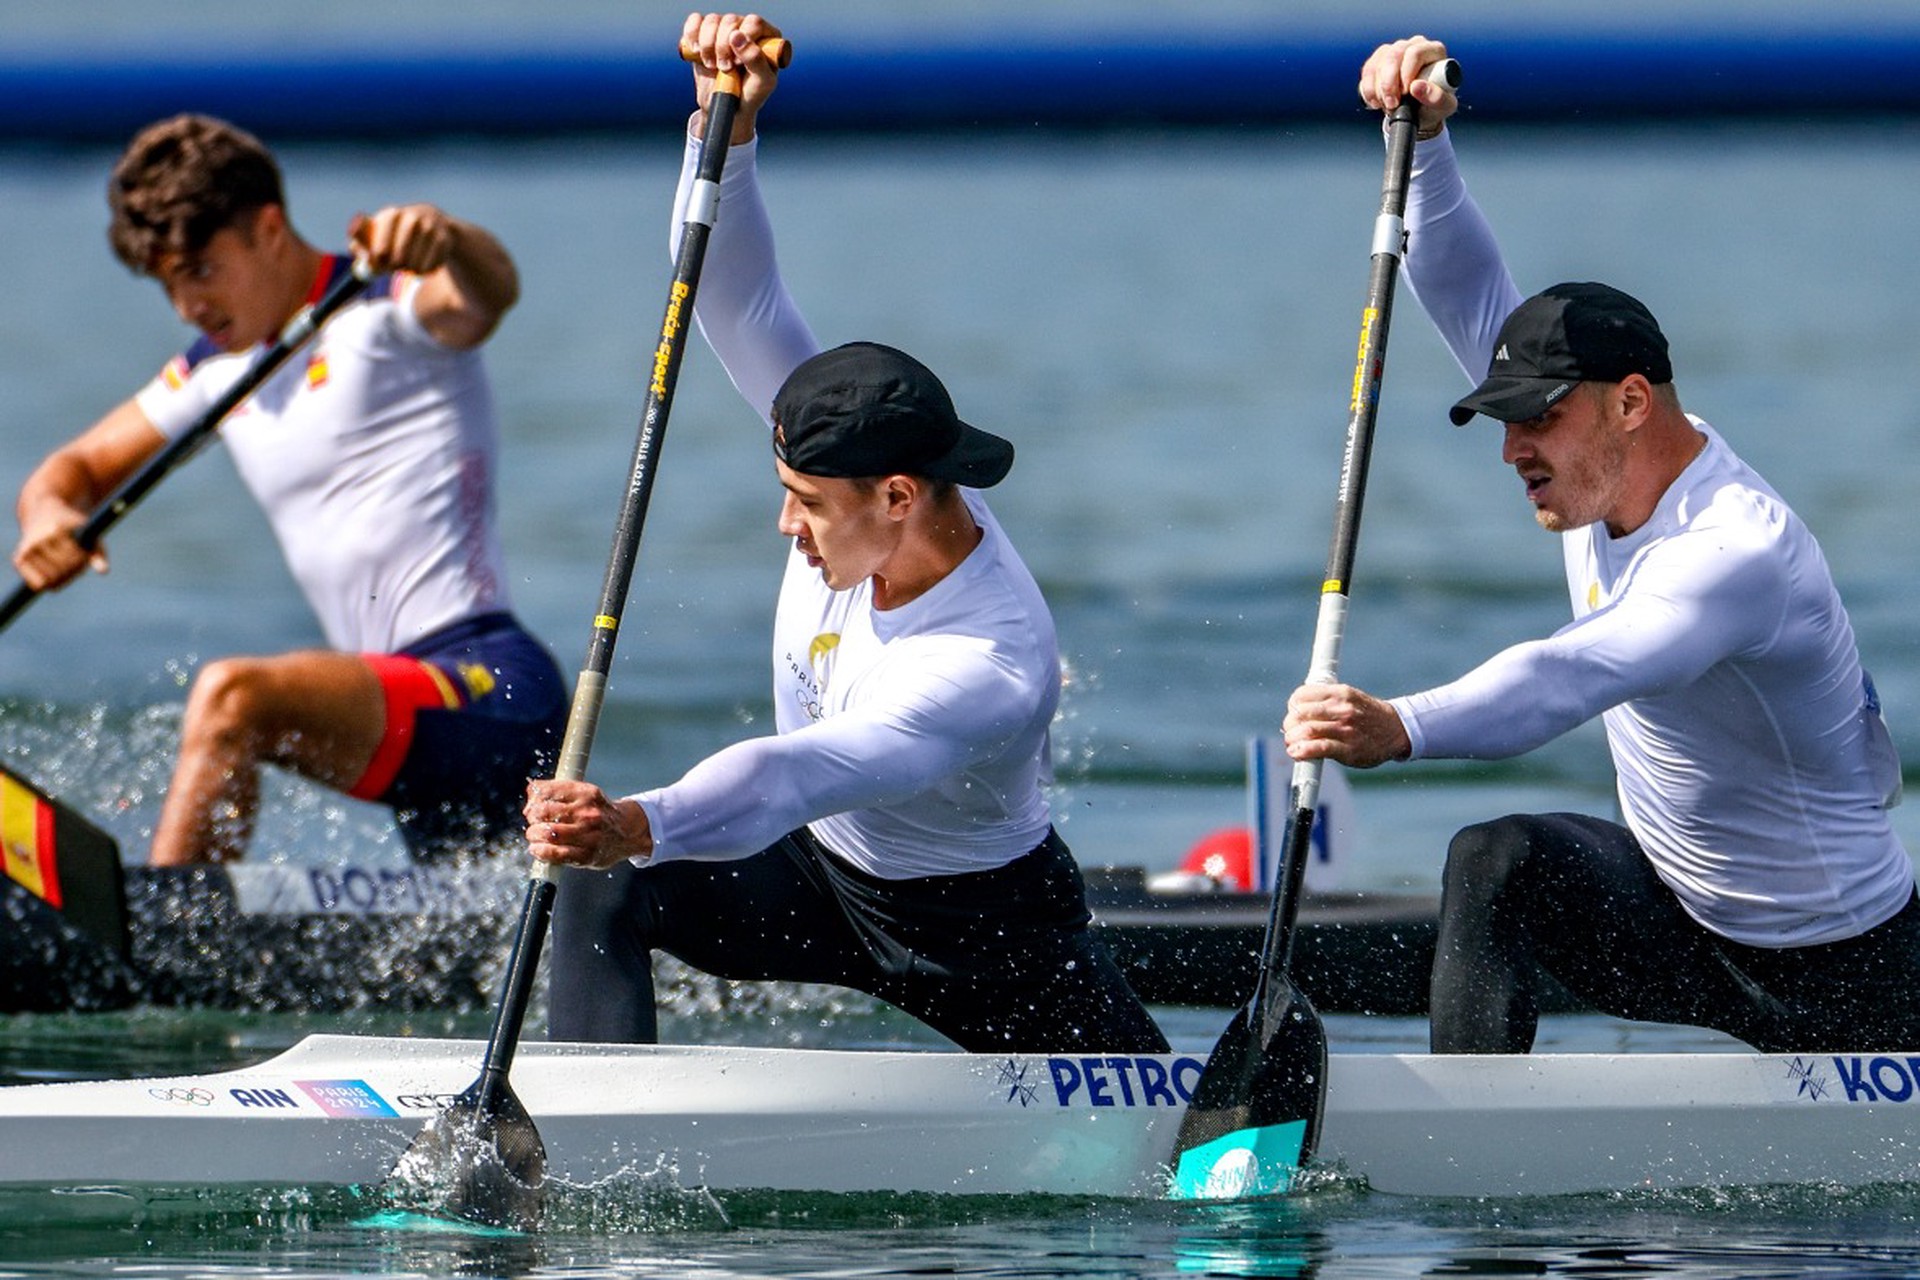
{"type": "Point", "coordinates": [864, 409]}
{"type": "Point", "coordinates": [1569, 334]}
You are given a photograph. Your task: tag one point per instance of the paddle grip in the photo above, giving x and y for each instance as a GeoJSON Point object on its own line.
{"type": "Point", "coordinates": [1445, 73]}
{"type": "Point", "coordinates": [589, 693]}
{"type": "Point", "coordinates": [778, 49]}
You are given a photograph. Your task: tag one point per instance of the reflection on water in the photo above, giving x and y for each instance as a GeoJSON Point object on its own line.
{"type": "Point", "coordinates": [647, 1226]}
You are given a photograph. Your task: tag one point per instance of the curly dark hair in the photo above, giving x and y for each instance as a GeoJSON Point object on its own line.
{"type": "Point", "coordinates": [183, 180]}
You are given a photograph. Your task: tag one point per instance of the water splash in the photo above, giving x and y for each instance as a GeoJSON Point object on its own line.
{"type": "Point", "coordinates": [474, 1164]}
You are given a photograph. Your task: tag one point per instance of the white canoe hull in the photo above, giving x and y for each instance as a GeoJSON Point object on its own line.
{"type": "Point", "coordinates": [339, 1110]}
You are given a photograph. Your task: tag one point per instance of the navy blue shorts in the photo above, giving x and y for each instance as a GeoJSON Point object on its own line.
{"type": "Point", "coordinates": [473, 711]}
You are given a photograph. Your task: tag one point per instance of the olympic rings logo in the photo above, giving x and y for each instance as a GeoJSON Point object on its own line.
{"type": "Point", "coordinates": [180, 1094]}
{"type": "Point", "coordinates": [426, 1101]}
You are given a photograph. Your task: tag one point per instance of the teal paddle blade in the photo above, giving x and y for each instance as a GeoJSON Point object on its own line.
{"type": "Point", "coordinates": [1254, 1118]}
{"type": "Point", "coordinates": [430, 1224]}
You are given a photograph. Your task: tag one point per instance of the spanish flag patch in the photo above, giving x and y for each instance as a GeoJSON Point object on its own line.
{"type": "Point", "coordinates": [26, 841]}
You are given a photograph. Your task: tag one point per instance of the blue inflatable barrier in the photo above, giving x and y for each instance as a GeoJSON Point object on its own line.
{"type": "Point", "coordinates": [1138, 82]}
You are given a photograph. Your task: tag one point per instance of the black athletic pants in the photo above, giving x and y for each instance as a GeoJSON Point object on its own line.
{"type": "Point", "coordinates": [997, 961]}
{"type": "Point", "coordinates": [1576, 896]}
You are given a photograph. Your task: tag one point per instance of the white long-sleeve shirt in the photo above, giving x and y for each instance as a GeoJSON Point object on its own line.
{"type": "Point", "coordinates": [1753, 765]}
{"type": "Point", "coordinates": [913, 741]}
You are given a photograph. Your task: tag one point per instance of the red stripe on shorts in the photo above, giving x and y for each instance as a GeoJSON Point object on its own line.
{"type": "Point", "coordinates": [409, 685]}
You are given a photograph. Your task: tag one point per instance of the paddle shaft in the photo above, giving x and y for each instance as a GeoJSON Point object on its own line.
{"type": "Point", "coordinates": [589, 691]}
{"type": "Point", "coordinates": [1253, 1117]}
{"type": "Point", "coordinates": [305, 323]}
{"type": "Point", "coordinates": [1389, 241]}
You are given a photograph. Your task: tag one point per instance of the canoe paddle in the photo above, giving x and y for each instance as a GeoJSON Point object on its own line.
{"type": "Point", "coordinates": [1254, 1117]}
{"type": "Point", "coordinates": [481, 1159]}
{"type": "Point", "coordinates": [305, 323]}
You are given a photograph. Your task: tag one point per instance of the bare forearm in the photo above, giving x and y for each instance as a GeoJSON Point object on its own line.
{"type": "Point", "coordinates": [60, 482]}
{"type": "Point", "coordinates": [483, 272]}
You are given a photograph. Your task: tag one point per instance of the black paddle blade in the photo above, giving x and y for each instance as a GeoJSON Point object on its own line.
{"type": "Point", "coordinates": [476, 1162]}
{"type": "Point", "coordinates": [1254, 1118]}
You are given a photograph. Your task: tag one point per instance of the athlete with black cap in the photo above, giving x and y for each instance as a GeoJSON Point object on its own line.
{"type": "Point", "coordinates": [1756, 884]}
{"type": "Point", "coordinates": [893, 835]}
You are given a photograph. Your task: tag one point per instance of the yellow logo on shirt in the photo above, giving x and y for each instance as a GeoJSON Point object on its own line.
{"type": "Point", "coordinates": [317, 370]}
{"type": "Point", "coordinates": [823, 644]}
{"type": "Point", "coordinates": [1593, 596]}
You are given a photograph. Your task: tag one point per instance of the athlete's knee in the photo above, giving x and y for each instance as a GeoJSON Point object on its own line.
{"type": "Point", "coordinates": [593, 914]}
{"type": "Point", "coordinates": [225, 704]}
{"type": "Point", "coordinates": [1487, 855]}
{"type": "Point", "coordinates": [602, 981]}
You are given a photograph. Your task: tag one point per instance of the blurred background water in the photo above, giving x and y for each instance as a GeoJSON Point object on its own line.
{"type": "Point", "coordinates": [1163, 320]}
